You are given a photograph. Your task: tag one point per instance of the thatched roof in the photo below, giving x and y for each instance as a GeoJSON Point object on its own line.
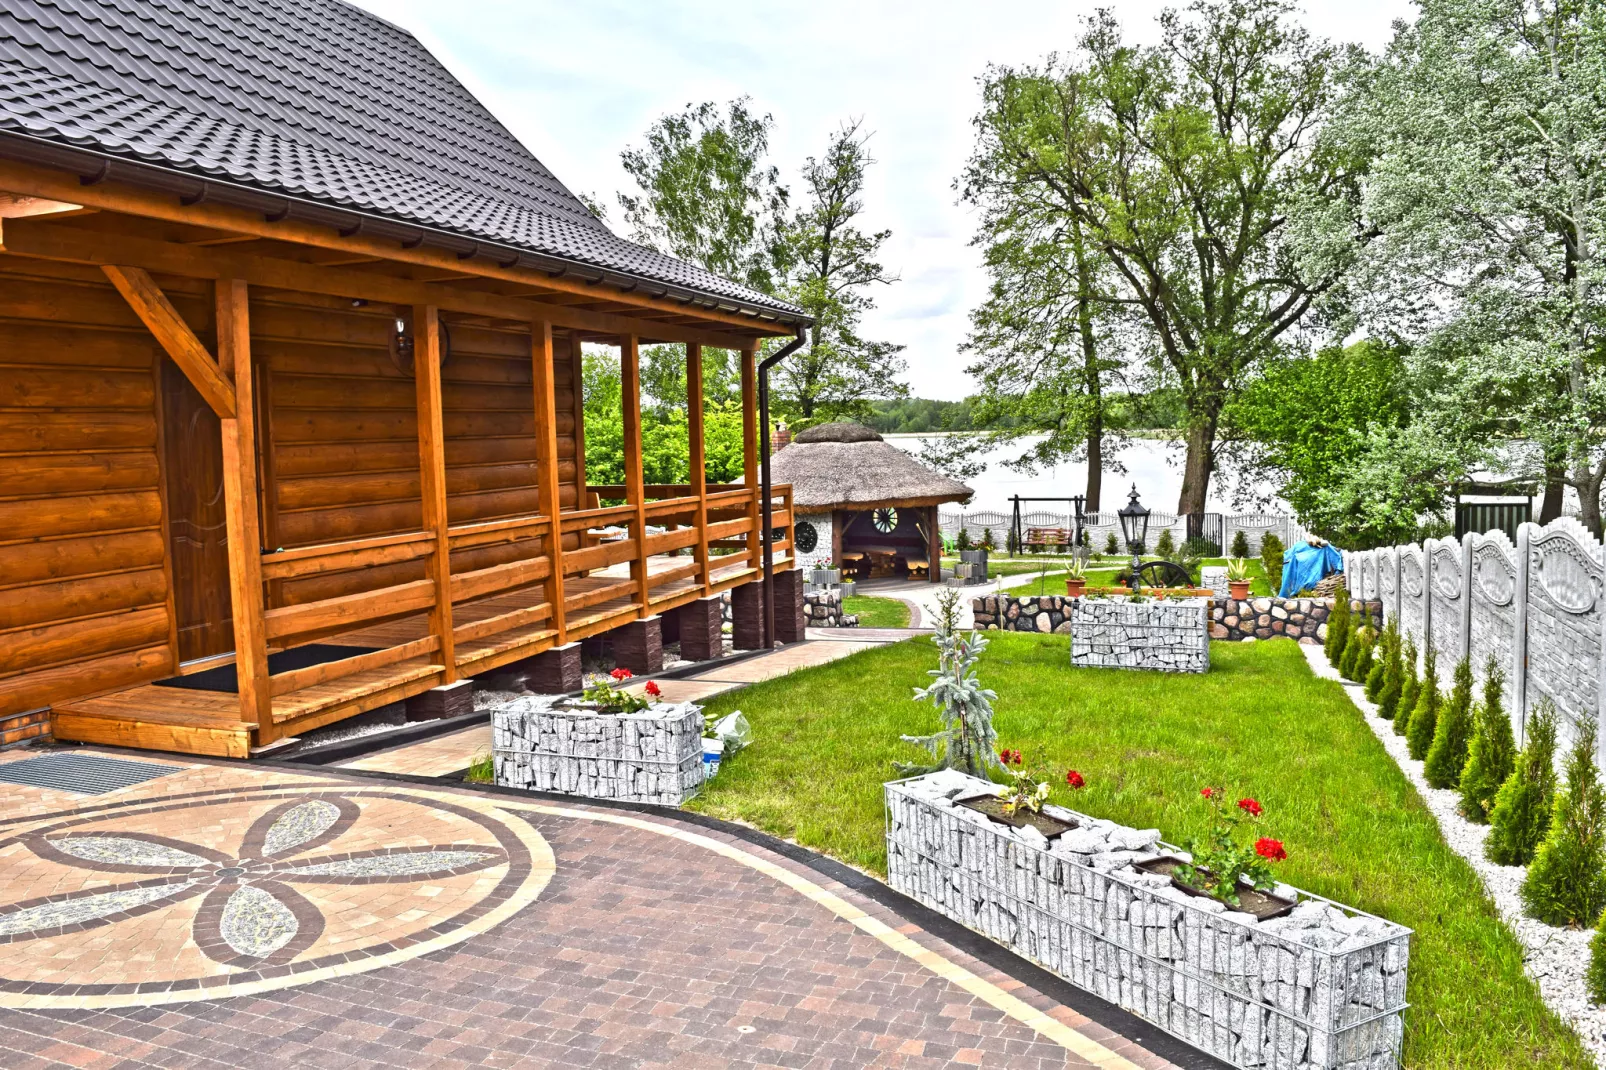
{"type": "Point", "coordinates": [847, 465]}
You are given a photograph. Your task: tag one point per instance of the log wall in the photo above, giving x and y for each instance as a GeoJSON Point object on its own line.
{"type": "Point", "coordinates": [84, 590]}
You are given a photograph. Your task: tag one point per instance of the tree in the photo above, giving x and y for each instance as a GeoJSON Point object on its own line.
{"type": "Point", "coordinates": [1492, 754]}
{"type": "Point", "coordinates": [1425, 715]}
{"type": "Point", "coordinates": [1196, 169]}
{"type": "Point", "coordinates": [708, 196]}
{"type": "Point", "coordinates": [1410, 688]}
{"type": "Point", "coordinates": [834, 265]}
{"type": "Point", "coordinates": [1521, 813]}
{"type": "Point", "coordinates": [1447, 754]}
{"type": "Point", "coordinates": [1488, 124]}
{"type": "Point", "coordinates": [967, 740]}
{"type": "Point", "coordinates": [1566, 884]}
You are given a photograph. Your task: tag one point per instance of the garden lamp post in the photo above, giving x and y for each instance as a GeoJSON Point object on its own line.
{"type": "Point", "coordinates": [1135, 526]}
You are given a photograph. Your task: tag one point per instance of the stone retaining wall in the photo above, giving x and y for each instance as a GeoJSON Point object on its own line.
{"type": "Point", "coordinates": [654, 756]}
{"type": "Point", "coordinates": [1320, 989]}
{"type": "Point", "coordinates": [823, 609]}
{"type": "Point", "coordinates": [1304, 619]}
{"type": "Point", "coordinates": [1113, 633]}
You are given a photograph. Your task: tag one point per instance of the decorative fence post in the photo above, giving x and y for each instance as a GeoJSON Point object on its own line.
{"type": "Point", "coordinates": [1519, 645]}
{"type": "Point", "coordinates": [1466, 598]}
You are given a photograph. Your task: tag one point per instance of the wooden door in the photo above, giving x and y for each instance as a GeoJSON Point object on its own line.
{"type": "Point", "coordinates": [197, 530]}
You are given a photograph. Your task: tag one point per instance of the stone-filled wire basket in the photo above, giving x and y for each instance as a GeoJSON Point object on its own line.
{"type": "Point", "coordinates": [1246, 994]}
{"type": "Point", "coordinates": [653, 756]}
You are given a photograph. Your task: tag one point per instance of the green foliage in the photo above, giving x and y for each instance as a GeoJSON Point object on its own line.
{"type": "Point", "coordinates": [1425, 715]}
{"type": "Point", "coordinates": [1410, 687]}
{"type": "Point", "coordinates": [1112, 545]}
{"type": "Point", "coordinates": [1365, 656]}
{"type": "Point", "coordinates": [1301, 417]}
{"type": "Point", "coordinates": [1240, 544]}
{"type": "Point", "coordinates": [708, 196]}
{"type": "Point", "coordinates": [1166, 547]}
{"type": "Point", "coordinates": [1447, 754]}
{"type": "Point", "coordinates": [1339, 626]}
{"type": "Point", "coordinates": [1222, 858]}
{"type": "Point", "coordinates": [962, 540]}
{"type": "Point", "coordinates": [481, 769]}
{"type": "Point", "coordinates": [1595, 977]}
{"type": "Point", "coordinates": [1492, 751]}
{"type": "Point", "coordinates": [1271, 559]}
{"type": "Point", "coordinates": [665, 434]}
{"type": "Point", "coordinates": [1377, 675]}
{"type": "Point", "coordinates": [1389, 695]}
{"type": "Point", "coordinates": [967, 740]}
{"type": "Point", "coordinates": [1566, 884]}
{"type": "Point", "coordinates": [1521, 813]}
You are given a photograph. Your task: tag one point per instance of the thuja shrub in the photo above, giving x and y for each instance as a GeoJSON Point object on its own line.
{"type": "Point", "coordinates": [1409, 686]}
{"type": "Point", "coordinates": [1357, 660]}
{"type": "Point", "coordinates": [1338, 628]}
{"type": "Point", "coordinates": [1447, 754]}
{"type": "Point", "coordinates": [1425, 717]}
{"type": "Point", "coordinates": [1167, 546]}
{"type": "Point", "coordinates": [1271, 557]}
{"type": "Point", "coordinates": [1378, 674]}
{"type": "Point", "coordinates": [1111, 546]}
{"type": "Point", "coordinates": [1491, 752]}
{"type": "Point", "coordinates": [1388, 696]}
{"type": "Point", "coordinates": [1566, 885]}
{"type": "Point", "coordinates": [1521, 813]}
{"type": "Point", "coordinates": [1595, 977]}
{"type": "Point", "coordinates": [1240, 544]}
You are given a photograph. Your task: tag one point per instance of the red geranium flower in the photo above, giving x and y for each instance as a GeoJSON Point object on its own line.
{"type": "Point", "coordinates": [1209, 793]}
{"type": "Point", "coordinates": [1269, 848]}
{"type": "Point", "coordinates": [653, 689]}
{"type": "Point", "coordinates": [1010, 757]}
{"type": "Point", "coordinates": [1074, 779]}
{"type": "Point", "coordinates": [1250, 807]}
{"type": "Point", "coordinates": [621, 673]}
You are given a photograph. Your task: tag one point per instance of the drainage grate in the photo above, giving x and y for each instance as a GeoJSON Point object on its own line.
{"type": "Point", "coordinates": [86, 774]}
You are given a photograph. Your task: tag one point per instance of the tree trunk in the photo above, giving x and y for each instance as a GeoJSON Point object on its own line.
{"type": "Point", "coordinates": [1198, 466]}
{"type": "Point", "coordinates": [1092, 378]}
{"type": "Point", "coordinates": [1555, 487]}
{"type": "Point", "coordinates": [1589, 500]}
{"type": "Point", "coordinates": [1095, 464]}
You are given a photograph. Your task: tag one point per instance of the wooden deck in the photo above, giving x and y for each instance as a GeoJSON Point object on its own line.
{"type": "Point", "coordinates": [492, 632]}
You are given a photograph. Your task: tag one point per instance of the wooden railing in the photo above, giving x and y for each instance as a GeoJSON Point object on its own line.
{"type": "Point", "coordinates": [729, 511]}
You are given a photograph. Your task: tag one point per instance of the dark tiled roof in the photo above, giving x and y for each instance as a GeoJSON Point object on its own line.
{"type": "Point", "coordinates": [312, 98]}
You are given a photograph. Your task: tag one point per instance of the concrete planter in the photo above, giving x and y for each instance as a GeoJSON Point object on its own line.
{"type": "Point", "coordinates": [1320, 989]}
{"type": "Point", "coordinates": [655, 756]}
{"type": "Point", "coordinates": [1114, 633]}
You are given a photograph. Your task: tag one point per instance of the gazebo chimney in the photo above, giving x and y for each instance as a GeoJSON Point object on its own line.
{"type": "Point", "coordinates": [781, 437]}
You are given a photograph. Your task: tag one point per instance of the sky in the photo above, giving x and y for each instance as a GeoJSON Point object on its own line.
{"type": "Point", "coordinates": [579, 82]}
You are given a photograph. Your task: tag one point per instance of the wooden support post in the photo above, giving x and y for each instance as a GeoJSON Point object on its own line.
{"type": "Point", "coordinates": [635, 482]}
{"type": "Point", "coordinates": [577, 378]}
{"type": "Point", "coordinates": [934, 544]}
{"type": "Point", "coordinates": [699, 459]}
{"type": "Point", "coordinates": [432, 476]}
{"type": "Point", "coordinates": [546, 459]}
{"type": "Point", "coordinates": [750, 433]}
{"type": "Point", "coordinates": [240, 505]}
{"type": "Point", "coordinates": [163, 321]}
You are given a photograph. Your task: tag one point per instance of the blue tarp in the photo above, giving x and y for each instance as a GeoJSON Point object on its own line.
{"type": "Point", "coordinates": [1304, 565]}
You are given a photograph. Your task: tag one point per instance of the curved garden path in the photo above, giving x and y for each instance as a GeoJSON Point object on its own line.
{"type": "Point", "coordinates": [232, 915]}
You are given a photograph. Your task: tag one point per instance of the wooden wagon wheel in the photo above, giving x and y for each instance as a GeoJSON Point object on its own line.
{"type": "Point", "coordinates": [1164, 574]}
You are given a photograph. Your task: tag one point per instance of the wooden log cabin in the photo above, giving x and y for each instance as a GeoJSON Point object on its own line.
{"type": "Point", "coordinates": [290, 383]}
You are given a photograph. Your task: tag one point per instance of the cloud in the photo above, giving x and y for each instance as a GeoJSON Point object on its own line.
{"type": "Point", "coordinates": [579, 82]}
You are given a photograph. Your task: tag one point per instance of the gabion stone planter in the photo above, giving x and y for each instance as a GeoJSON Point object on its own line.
{"type": "Point", "coordinates": [1114, 633]}
{"type": "Point", "coordinates": [655, 756]}
{"type": "Point", "coordinates": [1320, 989]}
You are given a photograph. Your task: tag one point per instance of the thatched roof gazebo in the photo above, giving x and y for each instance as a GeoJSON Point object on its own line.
{"type": "Point", "coordinates": [863, 503]}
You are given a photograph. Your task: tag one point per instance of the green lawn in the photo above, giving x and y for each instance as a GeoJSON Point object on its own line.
{"type": "Point", "coordinates": [877, 612]}
{"type": "Point", "coordinates": [1259, 723]}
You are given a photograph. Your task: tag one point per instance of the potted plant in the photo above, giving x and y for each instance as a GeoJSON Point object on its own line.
{"type": "Point", "coordinates": [1020, 804]}
{"type": "Point", "coordinates": [1075, 577]}
{"type": "Point", "coordinates": [1238, 579]}
{"type": "Point", "coordinates": [1227, 868]}
{"type": "Point", "coordinates": [603, 697]}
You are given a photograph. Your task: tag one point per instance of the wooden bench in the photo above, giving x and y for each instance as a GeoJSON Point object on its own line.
{"type": "Point", "coordinates": [1040, 538]}
{"type": "Point", "coordinates": [918, 566]}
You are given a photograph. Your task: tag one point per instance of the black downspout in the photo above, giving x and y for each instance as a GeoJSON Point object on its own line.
{"type": "Point", "coordinates": [766, 512]}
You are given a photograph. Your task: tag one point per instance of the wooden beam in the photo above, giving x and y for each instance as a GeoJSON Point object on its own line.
{"type": "Point", "coordinates": [240, 510]}
{"type": "Point", "coordinates": [432, 476]}
{"type": "Point", "coordinates": [750, 433]}
{"type": "Point", "coordinates": [38, 238]}
{"type": "Point", "coordinates": [38, 181]}
{"type": "Point", "coordinates": [698, 465]}
{"type": "Point", "coordinates": [153, 308]}
{"type": "Point", "coordinates": [635, 481]}
{"type": "Point", "coordinates": [546, 459]}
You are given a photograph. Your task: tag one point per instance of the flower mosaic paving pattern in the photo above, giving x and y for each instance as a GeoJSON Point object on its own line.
{"type": "Point", "coordinates": [247, 889]}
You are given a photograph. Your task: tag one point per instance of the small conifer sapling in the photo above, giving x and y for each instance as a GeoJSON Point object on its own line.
{"type": "Point", "coordinates": [1521, 811]}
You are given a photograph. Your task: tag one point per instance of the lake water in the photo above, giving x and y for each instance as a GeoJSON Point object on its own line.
{"type": "Point", "coordinates": [1154, 465]}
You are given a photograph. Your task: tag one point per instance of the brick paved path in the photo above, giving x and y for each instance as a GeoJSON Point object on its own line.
{"type": "Point", "coordinates": [489, 932]}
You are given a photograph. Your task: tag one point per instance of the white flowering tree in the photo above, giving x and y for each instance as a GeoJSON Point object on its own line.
{"type": "Point", "coordinates": [1488, 123]}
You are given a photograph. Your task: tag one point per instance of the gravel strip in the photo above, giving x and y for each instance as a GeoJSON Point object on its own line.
{"type": "Point", "coordinates": [1555, 958]}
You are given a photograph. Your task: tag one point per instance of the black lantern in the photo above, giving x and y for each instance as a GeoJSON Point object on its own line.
{"type": "Point", "coordinates": [1135, 526]}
